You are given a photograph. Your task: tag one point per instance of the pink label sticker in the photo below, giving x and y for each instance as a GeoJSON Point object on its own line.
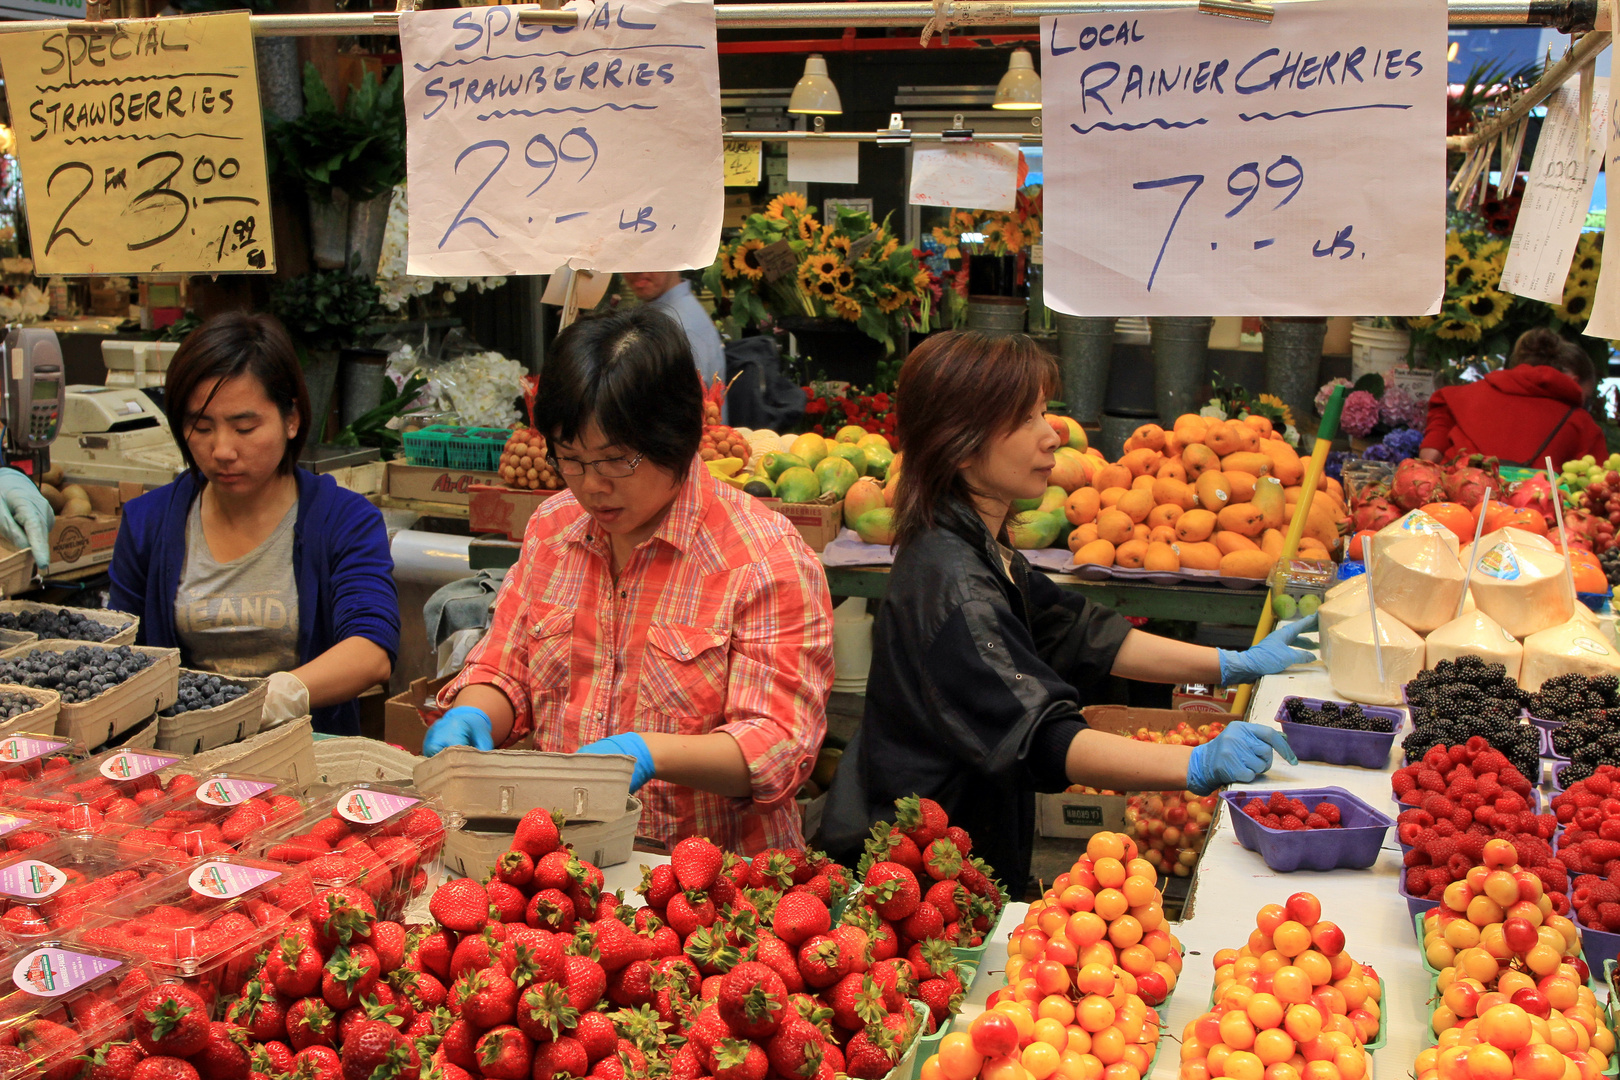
{"type": "Point", "coordinates": [365, 807]}
{"type": "Point", "coordinates": [31, 879]}
{"type": "Point", "coordinates": [221, 881]}
{"type": "Point", "coordinates": [54, 972]}
{"type": "Point", "coordinates": [10, 823]}
{"type": "Point", "coordinates": [19, 748]}
{"type": "Point", "coordinates": [227, 792]}
{"type": "Point", "coordinates": [130, 766]}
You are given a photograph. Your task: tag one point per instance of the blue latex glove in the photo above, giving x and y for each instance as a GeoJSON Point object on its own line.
{"type": "Point", "coordinates": [1274, 655]}
{"type": "Point", "coordinates": [464, 725]}
{"type": "Point", "coordinates": [628, 743]}
{"type": "Point", "coordinates": [26, 519]}
{"type": "Point", "coordinates": [1236, 756]}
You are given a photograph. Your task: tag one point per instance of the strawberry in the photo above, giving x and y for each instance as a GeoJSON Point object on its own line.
{"type": "Point", "coordinates": [796, 1050]}
{"type": "Point", "coordinates": [318, 1063]}
{"type": "Point", "coordinates": [515, 868]}
{"type": "Point", "coordinates": [739, 1059]}
{"type": "Point", "coordinates": [460, 905]}
{"type": "Point", "coordinates": [224, 1054]}
{"type": "Point", "coordinates": [505, 1053]}
{"type": "Point", "coordinates": [596, 1033]}
{"type": "Point", "coordinates": [563, 1057]}
{"type": "Point", "coordinates": [822, 961]}
{"type": "Point", "coordinates": [943, 860]}
{"type": "Point", "coordinates": [506, 902]}
{"type": "Point", "coordinates": [618, 945]}
{"type": "Point", "coordinates": [310, 1023]}
{"type": "Point", "coordinates": [372, 1046]}
{"type": "Point", "coordinates": [429, 949]}
{"type": "Point", "coordinates": [753, 1000]}
{"type": "Point", "coordinates": [774, 954]}
{"type": "Point", "coordinates": [294, 968]}
{"type": "Point", "coordinates": [544, 1013]}
{"type": "Point", "coordinates": [388, 938]}
{"type": "Point", "coordinates": [551, 870]}
{"type": "Point", "coordinates": [171, 1019]}
{"type": "Point", "coordinates": [696, 862]}
{"type": "Point", "coordinates": [340, 915]}
{"type": "Point", "coordinates": [538, 834]}
{"type": "Point", "coordinates": [892, 890]}
{"type": "Point", "coordinates": [488, 997]}
{"type": "Point", "coordinates": [163, 1068]}
{"type": "Point", "coordinates": [271, 1058]}
{"type": "Point", "coordinates": [687, 911]}
{"type": "Point", "coordinates": [550, 909]}
{"type": "Point", "coordinates": [260, 1011]}
{"type": "Point", "coordinates": [923, 923]}
{"type": "Point", "coordinates": [585, 982]}
{"type": "Point", "coordinates": [872, 1053]}
{"type": "Point", "coordinates": [459, 1045]}
{"type": "Point", "coordinates": [55, 1046]}
{"type": "Point", "coordinates": [800, 916]}
{"type": "Point", "coordinates": [658, 885]}
{"type": "Point", "coordinates": [110, 1061]}
{"type": "Point", "coordinates": [855, 1001]}
{"type": "Point", "coordinates": [351, 974]}
{"type": "Point", "coordinates": [964, 843]}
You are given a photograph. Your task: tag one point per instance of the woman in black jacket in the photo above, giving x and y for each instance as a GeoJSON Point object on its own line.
{"type": "Point", "coordinates": [979, 665]}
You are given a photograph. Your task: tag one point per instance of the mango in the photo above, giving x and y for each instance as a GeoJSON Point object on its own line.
{"type": "Point", "coordinates": [1195, 525]}
{"type": "Point", "coordinates": [1244, 519]}
{"type": "Point", "coordinates": [1096, 553]}
{"type": "Point", "coordinates": [1247, 564]}
{"type": "Point", "coordinates": [1270, 500]}
{"type": "Point", "coordinates": [1173, 445]}
{"type": "Point", "coordinates": [876, 526]}
{"type": "Point", "coordinates": [1171, 469]}
{"type": "Point", "coordinates": [1138, 503]}
{"type": "Point", "coordinates": [1069, 430]}
{"type": "Point", "coordinates": [836, 474]}
{"type": "Point", "coordinates": [850, 453]}
{"type": "Point", "coordinates": [878, 460]}
{"type": "Point", "coordinates": [1223, 439]}
{"type": "Point", "coordinates": [1070, 472]}
{"type": "Point", "coordinates": [1033, 529]}
{"type": "Point", "coordinates": [1162, 557]}
{"type": "Point", "coordinates": [1164, 514]}
{"type": "Point", "coordinates": [1171, 490]}
{"type": "Point", "coordinates": [774, 465]}
{"type": "Point", "coordinates": [1109, 497]}
{"type": "Point", "coordinates": [1053, 500]}
{"type": "Point", "coordinates": [863, 496]}
{"type": "Point", "coordinates": [1140, 531]}
{"type": "Point", "coordinates": [1144, 482]}
{"type": "Point", "coordinates": [799, 485]}
{"type": "Point", "coordinates": [1115, 526]}
{"type": "Point", "coordinates": [1162, 534]}
{"type": "Point", "coordinates": [851, 434]}
{"type": "Point", "coordinates": [1255, 464]}
{"type": "Point", "coordinates": [1130, 554]}
{"type": "Point", "coordinates": [1150, 436]}
{"type": "Point", "coordinates": [1082, 506]}
{"type": "Point", "coordinates": [1213, 490]}
{"type": "Point", "coordinates": [810, 448]}
{"type": "Point", "coordinates": [1020, 506]}
{"type": "Point", "coordinates": [1199, 459]}
{"type": "Point", "coordinates": [1247, 436]}
{"type": "Point", "coordinates": [1082, 535]}
{"type": "Point", "coordinates": [1201, 555]}
{"type": "Point", "coordinates": [1271, 542]}
{"type": "Point", "coordinates": [1228, 542]}
{"type": "Point", "coordinates": [1261, 424]}
{"type": "Point", "coordinates": [1190, 428]}
{"type": "Point", "coordinates": [1286, 465]}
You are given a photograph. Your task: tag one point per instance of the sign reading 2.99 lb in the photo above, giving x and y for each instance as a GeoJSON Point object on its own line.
{"type": "Point", "coordinates": [141, 146]}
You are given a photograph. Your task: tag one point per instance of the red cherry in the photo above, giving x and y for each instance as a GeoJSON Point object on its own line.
{"type": "Point", "coordinates": [1304, 909]}
{"type": "Point", "coordinates": [994, 1034]}
{"type": "Point", "coordinates": [1151, 987]}
{"type": "Point", "coordinates": [1519, 934]}
{"type": "Point", "coordinates": [1533, 1001]}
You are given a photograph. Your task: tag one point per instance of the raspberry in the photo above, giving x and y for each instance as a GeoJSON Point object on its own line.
{"type": "Point", "coordinates": [1292, 824]}
{"type": "Point", "coordinates": [1446, 826]}
{"type": "Point", "coordinates": [1430, 780]}
{"type": "Point", "coordinates": [1600, 783]}
{"type": "Point", "coordinates": [1438, 805]}
{"type": "Point", "coordinates": [1257, 812]}
{"type": "Point", "coordinates": [1436, 759]}
{"type": "Point", "coordinates": [1403, 781]}
{"type": "Point", "coordinates": [1471, 801]}
{"type": "Point", "coordinates": [1609, 916]}
{"type": "Point", "coordinates": [1601, 850]}
{"type": "Point", "coordinates": [1588, 818]}
{"type": "Point", "coordinates": [1254, 804]}
{"type": "Point", "coordinates": [1460, 754]}
{"type": "Point", "coordinates": [1329, 811]}
{"type": "Point", "coordinates": [1272, 821]}
{"type": "Point", "coordinates": [1488, 787]}
{"type": "Point", "coordinates": [1472, 845]}
{"type": "Point", "coordinates": [1560, 903]}
{"type": "Point", "coordinates": [1610, 829]}
{"type": "Point", "coordinates": [1492, 760]}
{"type": "Point", "coordinates": [1588, 915]}
{"type": "Point", "coordinates": [1425, 838]}
{"type": "Point", "coordinates": [1584, 798]}
{"type": "Point", "coordinates": [1417, 882]}
{"type": "Point", "coordinates": [1422, 817]}
{"type": "Point", "coordinates": [1437, 890]}
{"type": "Point", "coordinates": [1277, 802]}
{"type": "Point", "coordinates": [1459, 865]}
{"type": "Point", "coordinates": [1441, 851]}
{"type": "Point", "coordinates": [1510, 802]}
{"type": "Point", "coordinates": [1317, 821]}
{"type": "Point", "coordinates": [1415, 857]}
{"type": "Point", "coordinates": [1485, 815]}
{"type": "Point", "coordinates": [1551, 880]}
{"type": "Point", "coordinates": [1298, 809]}
{"type": "Point", "coordinates": [1407, 833]}
{"type": "Point", "coordinates": [1604, 892]}
{"type": "Point", "coordinates": [1565, 813]}
{"type": "Point", "coordinates": [1460, 785]}
{"type": "Point", "coordinates": [1461, 818]}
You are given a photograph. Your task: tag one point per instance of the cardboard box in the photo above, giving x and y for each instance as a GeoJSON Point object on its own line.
{"type": "Point", "coordinates": [428, 483]}
{"type": "Point", "coordinates": [818, 523]}
{"type": "Point", "coordinates": [403, 723]}
{"type": "Point", "coordinates": [1078, 816]}
{"type": "Point", "coordinates": [1196, 697]}
{"type": "Point", "coordinates": [78, 542]}
{"type": "Point", "coordinates": [503, 510]}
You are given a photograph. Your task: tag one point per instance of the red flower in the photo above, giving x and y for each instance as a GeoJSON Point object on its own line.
{"type": "Point", "coordinates": [816, 407]}
{"type": "Point", "coordinates": [817, 430]}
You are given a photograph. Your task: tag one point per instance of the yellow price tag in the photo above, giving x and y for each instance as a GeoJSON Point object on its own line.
{"type": "Point", "coordinates": [741, 163]}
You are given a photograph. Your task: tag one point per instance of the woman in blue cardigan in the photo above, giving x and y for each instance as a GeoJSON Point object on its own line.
{"type": "Point", "coordinates": [248, 564]}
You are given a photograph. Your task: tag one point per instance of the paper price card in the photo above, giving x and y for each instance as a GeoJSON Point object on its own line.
{"type": "Point", "coordinates": [142, 146]}
{"type": "Point", "coordinates": [596, 146]}
{"type": "Point", "coordinates": [742, 163]}
{"type": "Point", "coordinates": [1201, 166]}
{"type": "Point", "coordinates": [1605, 321]}
{"type": "Point", "coordinates": [1562, 176]}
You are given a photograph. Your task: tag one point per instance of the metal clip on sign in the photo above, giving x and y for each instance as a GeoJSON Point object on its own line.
{"type": "Point", "coordinates": [956, 132]}
{"type": "Point", "coordinates": [897, 134]}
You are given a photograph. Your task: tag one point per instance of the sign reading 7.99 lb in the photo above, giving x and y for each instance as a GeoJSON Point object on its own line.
{"type": "Point", "coordinates": [141, 146]}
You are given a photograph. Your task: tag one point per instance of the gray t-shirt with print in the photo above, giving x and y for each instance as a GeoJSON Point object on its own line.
{"type": "Point", "coordinates": [240, 617]}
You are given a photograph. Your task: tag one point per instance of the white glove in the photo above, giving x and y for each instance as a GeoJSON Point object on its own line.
{"type": "Point", "coordinates": [287, 699]}
{"type": "Point", "coordinates": [26, 519]}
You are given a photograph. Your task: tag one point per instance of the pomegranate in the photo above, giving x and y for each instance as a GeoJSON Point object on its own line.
{"type": "Point", "coordinates": [1417, 482]}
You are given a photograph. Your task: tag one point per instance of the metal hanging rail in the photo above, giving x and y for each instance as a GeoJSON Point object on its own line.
{"type": "Point", "coordinates": [1555, 76]}
{"type": "Point", "coordinates": [1565, 15]}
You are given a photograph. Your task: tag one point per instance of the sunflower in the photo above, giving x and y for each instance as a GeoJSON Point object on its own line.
{"type": "Point", "coordinates": [1586, 261]}
{"type": "Point", "coordinates": [1457, 329]}
{"type": "Point", "coordinates": [1421, 322]}
{"type": "Point", "coordinates": [1456, 252]}
{"type": "Point", "coordinates": [889, 298]}
{"type": "Point", "coordinates": [728, 269]}
{"type": "Point", "coordinates": [808, 227]}
{"type": "Point", "coordinates": [823, 266]}
{"type": "Point", "coordinates": [844, 279]}
{"type": "Point", "coordinates": [825, 290]}
{"type": "Point", "coordinates": [807, 274]}
{"type": "Point", "coordinates": [746, 263]}
{"type": "Point", "coordinates": [788, 200]}
{"type": "Point", "coordinates": [1470, 274]}
{"type": "Point", "coordinates": [963, 221]}
{"type": "Point", "coordinates": [840, 242]}
{"type": "Point", "coordinates": [921, 280]}
{"type": "Point", "coordinates": [890, 248]}
{"type": "Point", "coordinates": [1486, 307]}
{"type": "Point", "coordinates": [1280, 405]}
{"type": "Point", "coordinates": [847, 308]}
{"type": "Point", "coordinates": [1577, 305]}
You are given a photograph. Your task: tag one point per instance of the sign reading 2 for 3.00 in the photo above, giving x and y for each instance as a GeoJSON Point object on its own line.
{"type": "Point", "coordinates": [1212, 167]}
{"type": "Point", "coordinates": [142, 146]}
{"type": "Point", "coordinates": [529, 147]}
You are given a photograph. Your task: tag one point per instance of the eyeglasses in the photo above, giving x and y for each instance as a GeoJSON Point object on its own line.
{"type": "Point", "coordinates": [614, 467]}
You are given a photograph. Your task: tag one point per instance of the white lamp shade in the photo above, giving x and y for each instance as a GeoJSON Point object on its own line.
{"type": "Point", "coordinates": [1020, 88]}
{"type": "Point", "coordinates": [815, 92]}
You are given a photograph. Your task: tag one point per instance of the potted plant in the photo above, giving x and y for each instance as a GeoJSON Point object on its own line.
{"type": "Point", "coordinates": [347, 162]}
{"type": "Point", "coordinates": [993, 245]}
{"type": "Point", "coordinates": [326, 312]}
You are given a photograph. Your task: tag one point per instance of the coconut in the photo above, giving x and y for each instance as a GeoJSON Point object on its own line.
{"type": "Point", "coordinates": [1353, 669]}
{"type": "Point", "coordinates": [1350, 600]}
{"type": "Point", "coordinates": [1575, 646]}
{"type": "Point", "coordinates": [1416, 523]}
{"type": "Point", "coordinates": [1475, 634]}
{"type": "Point", "coordinates": [1523, 588]}
{"type": "Point", "coordinates": [1419, 581]}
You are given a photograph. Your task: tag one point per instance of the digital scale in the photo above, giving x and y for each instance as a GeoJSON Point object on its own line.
{"type": "Point", "coordinates": [115, 433]}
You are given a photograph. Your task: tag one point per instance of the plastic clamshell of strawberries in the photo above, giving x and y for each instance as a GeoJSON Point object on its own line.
{"type": "Point", "coordinates": [225, 813]}
{"type": "Point", "coordinates": [204, 924]}
{"type": "Point", "coordinates": [27, 758]}
{"type": "Point", "coordinates": [80, 799]}
{"type": "Point", "coordinates": [392, 857]}
{"type": "Point", "coordinates": [43, 1036]}
{"type": "Point", "coordinates": [47, 890]}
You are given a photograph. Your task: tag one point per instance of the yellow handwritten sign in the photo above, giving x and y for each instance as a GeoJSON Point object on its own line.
{"type": "Point", "coordinates": [742, 163]}
{"type": "Point", "coordinates": [141, 146]}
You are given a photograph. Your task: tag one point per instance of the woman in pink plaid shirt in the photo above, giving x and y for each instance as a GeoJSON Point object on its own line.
{"type": "Point", "coordinates": [654, 612]}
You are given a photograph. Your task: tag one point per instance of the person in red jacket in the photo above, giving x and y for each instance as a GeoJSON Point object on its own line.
{"type": "Point", "coordinates": [1531, 410]}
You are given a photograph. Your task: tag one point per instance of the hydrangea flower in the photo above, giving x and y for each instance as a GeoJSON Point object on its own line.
{"type": "Point", "coordinates": [1360, 413]}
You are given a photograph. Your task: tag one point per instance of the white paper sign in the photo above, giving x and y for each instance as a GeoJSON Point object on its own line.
{"type": "Point", "coordinates": [532, 146]}
{"type": "Point", "coordinates": [816, 162]}
{"type": "Point", "coordinates": [1605, 320]}
{"type": "Point", "coordinates": [1557, 194]}
{"type": "Point", "coordinates": [973, 176]}
{"type": "Point", "coordinates": [1201, 166]}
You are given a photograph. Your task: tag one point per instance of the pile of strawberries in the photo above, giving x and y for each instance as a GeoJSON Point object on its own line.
{"type": "Point", "coordinates": [1281, 812]}
{"type": "Point", "coordinates": [1457, 799]}
{"type": "Point", "coordinates": [66, 1033]}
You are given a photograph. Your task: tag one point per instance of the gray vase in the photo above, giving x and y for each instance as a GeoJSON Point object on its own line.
{"type": "Point", "coordinates": [1293, 351]}
{"type": "Point", "coordinates": [329, 230]}
{"type": "Point", "coordinates": [996, 316]}
{"type": "Point", "coordinates": [1085, 351]}
{"type": "Point", "coordinates": [1180, 350]}
{"type": "Point", "coordinates": [281, 76]}
{"type": "Point", "coordinates": [321, 377]}
{"type": "Point", "coordinates": [360, 375]}
{"type": "Point", "coordinates": [367, 222]}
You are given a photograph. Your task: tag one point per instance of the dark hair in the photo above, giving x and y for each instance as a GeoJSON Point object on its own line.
{"type": "Point", "coordinates": [957, 391]}
{"type": "Point", "coordinates": [1542, 346]}
{"type": "Point", "coordinates": [632, 372]}
{"type": "Point", "coordinates": [228, 345]}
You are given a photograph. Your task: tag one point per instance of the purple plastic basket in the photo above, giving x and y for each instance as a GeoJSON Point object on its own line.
{"type": "Point", "coordinates": [1353, 847]}
{"type": "Point", "coordinates": [1597, 946]}
{"type": "Point", "coordinates": [1415, 905]}
{"type": "Point", "coordinates": [1336, 746]}
{"type": "Point", "coordinates": [1545, 725]}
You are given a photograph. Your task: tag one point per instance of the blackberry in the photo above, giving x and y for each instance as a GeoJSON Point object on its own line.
{"type": "Point", "coordinates": [1333, 714]}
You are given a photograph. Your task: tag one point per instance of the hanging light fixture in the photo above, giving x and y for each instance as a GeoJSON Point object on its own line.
{"type": "Point", "coordinates": [815, 92]}
{"type": "Point", "coordinates": [1020, 88]}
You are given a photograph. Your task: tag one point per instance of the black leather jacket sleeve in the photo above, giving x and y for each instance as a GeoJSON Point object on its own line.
{"type": "Point", "coordinates": [1077, 638]}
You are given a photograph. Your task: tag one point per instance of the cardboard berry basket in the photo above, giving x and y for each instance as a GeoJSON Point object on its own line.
{"type": "Point", "coordinates": [1354, 846]}
{"type": "Point", "coordinates": [222, 814]}
{"type": "Point", "coordinates": [197, 730]}
{"type": "Point", "coordinates": [404, 831]}
{"type": "Point", "coordinates": [204, 924]}
{"type": "Point", "coordinates": [30, 756]}
{"type": "Point", "coordinates": [93, 992]}
{"type": "Point", "coordinates": [41, 718]}
{"type": "Point", "coordinates": [47, 890]}
{"type": "Point", "coordinates": [118, 708]}
{"type": "Point", "coordinates": [509, 783]}
{"type": "Point", "coordinates": [471, 850]}
{"type": "Point", "coordinates": [123, 625]}
{"type": "Point", "coordinates": [118, 785]}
